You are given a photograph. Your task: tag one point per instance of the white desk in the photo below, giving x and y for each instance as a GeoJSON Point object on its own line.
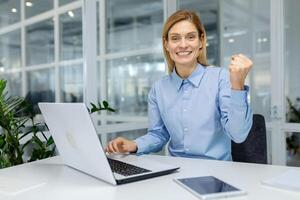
{"type": "Point", "coordinates": [56, 181]}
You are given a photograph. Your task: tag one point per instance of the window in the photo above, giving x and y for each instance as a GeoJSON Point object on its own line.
{"type": "Point", "coordinates": [10, 50]}
{"type": "Point", "coordinates": [41, 86]}
{"type": "Point", "coordinates": [63, 2]}
{"type": "Point", "coordinates": [40, 43]}
{"type": "Point", "coordinates": [10, 12]}
{"type": "Point", "coordinates": [133, 25]}
{"type": "Point", "coordinates": [35, 7]}
{"type": "Point", "coordinates": [129, 80]}
{"type": "Point", "coordinates": [70, 27]}
{"type": "Point", "coordinates": [71, 82]}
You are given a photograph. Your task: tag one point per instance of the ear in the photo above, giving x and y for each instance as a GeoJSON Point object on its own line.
{"type": "Point", "coordinates": [202, 39]}
{"type": "Point", "coordinates": [166, 44]}
{"type": "Point", "coordinates": [200, 47]}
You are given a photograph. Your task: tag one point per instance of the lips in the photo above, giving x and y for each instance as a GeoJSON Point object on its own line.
{"type": "Point", "coordinates": [183, 53]}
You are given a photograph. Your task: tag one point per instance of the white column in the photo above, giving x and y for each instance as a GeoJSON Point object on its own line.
{"type": "Point", "coordinates": [277, 83]}
{"type": "Point", "coordinates": [89, 32]}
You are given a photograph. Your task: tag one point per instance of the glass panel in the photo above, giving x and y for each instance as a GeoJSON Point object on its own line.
{"type": "Point", "coordinates": [10, 12]}
{"type": "Point", "coordinates": [40, 43]}
{"type": "Point", "coordinates": [292, 59]}
{"type": "Point", "coordinates": [70, 27]}
{"type": "Point", "coordinates": [131, 135]}
{"type": "Point", "coordinates": [129, 80]}
{"type": "Point", "coordinates": [293, 149]}
{"type": "Point", "coordinates": [71, 80]}
{"type": "Point", "coordinates": [40, 86]}
{"type": "Point", "coordinates": [63, 2]}
{"type": "Point", "coordinates": [10, 50]}
{"type": "Point", "coordinates": [247, 30]}
{"type": "Point", "coordinates": [208, 12]}
{"type": "Point", "coordinates": [13, 85]}
{"type": "Point", "coordinates": [35, 7]}
{"type": "Point", "coordinates": [133, 24]}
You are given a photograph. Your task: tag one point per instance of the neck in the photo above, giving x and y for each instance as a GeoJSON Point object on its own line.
{"type": "Point", "coordinates": [185, 71]}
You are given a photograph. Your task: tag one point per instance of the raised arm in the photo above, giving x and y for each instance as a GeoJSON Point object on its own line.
{"type": "Point", "coordinates": [236, 113]}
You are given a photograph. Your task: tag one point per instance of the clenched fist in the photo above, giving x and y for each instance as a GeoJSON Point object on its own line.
{"type": "Point", "coordinates": [239, 67]}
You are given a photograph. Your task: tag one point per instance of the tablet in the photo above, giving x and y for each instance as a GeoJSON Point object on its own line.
{"type": "Point", "coordinates": [209, 187]}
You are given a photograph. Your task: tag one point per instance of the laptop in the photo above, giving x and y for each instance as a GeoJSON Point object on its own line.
{"type": "Point", "coordinates": [79, 146]}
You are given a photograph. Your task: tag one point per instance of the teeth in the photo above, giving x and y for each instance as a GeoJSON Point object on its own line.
{"type": "Point", "coordinates": [183, 53]}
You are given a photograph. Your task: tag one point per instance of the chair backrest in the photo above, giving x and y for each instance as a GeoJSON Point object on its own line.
{"type": "Point", "coordinates": [254, 148]}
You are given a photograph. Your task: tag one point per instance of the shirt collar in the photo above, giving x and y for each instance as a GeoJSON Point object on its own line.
{"type": "Point", "coordinates": [194, 78]}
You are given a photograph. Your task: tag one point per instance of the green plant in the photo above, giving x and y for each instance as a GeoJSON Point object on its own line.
{"type": "Point", "coordinates": [15, 112]}
{"type": "Point", "coordinates": [293, 116]}
{"type": "Point", "coordinates": [19, 132]}
{"type": "Point", "coordinates": [104, 106]}
{"type": "Point", "coordinates": [10, 153]}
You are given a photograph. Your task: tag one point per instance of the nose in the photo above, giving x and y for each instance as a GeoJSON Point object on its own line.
{"type": "Point", "coordinates": [183, 43]}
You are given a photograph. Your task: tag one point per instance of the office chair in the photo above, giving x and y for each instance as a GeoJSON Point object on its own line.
{"type": "Point", "coordinates": [254, 148]}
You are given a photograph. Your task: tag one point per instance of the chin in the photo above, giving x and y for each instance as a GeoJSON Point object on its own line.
{"type": "Point", "coordinates": [184, 62]}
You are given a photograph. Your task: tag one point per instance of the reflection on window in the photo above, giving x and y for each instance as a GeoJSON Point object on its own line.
{"type": "Point", "coordinates": [133, 24]}
{"type": "Point", "coordinates": [293, 149]}
{"type": "Point", "coordinates": [291, 59]}
{"type": "Point", "coordinates": [40, 86]}
{"type": "Point", "coordinates": [63, 2]}
{"type": "Point", "coordinates": [129, 80]}
{"type": "Point", "coordinates": [10, 50]}
{"type": "Point", "coordinates": [13, 84]}
{"type": "Point", "coordinates": [70, 25]}
{"type": "Point", "coordinates": [9, 12]}
{"type": "Point", "coordinates": [40, 43]}
{"type": "Point", "coordinates": [71, 80]}
{"type": "Point", "coordinates": [35, 7]}
{"type": "Point", "coordinates": [208, 12]}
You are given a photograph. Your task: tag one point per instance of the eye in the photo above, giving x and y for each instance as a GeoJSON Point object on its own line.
{"type": "Point", "coordinates": [175, 38]}
{"type": "Point", "coordinates": [191, 37]}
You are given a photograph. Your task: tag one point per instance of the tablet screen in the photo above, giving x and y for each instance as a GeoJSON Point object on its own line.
{"type": "Point", "coordinates": [207, 185]}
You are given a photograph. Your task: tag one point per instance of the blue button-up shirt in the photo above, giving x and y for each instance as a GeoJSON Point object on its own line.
{"type": "Point", "coordinates": [199, 116]}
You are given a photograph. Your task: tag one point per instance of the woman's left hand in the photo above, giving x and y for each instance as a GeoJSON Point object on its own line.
{"type": "Point", "coordinates": [239, 67]}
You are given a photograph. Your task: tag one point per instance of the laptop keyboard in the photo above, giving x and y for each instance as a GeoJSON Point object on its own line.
{"type": "Point", "coordinates": [125, 169]}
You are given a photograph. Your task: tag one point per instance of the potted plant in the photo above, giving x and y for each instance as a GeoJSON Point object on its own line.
{"type": "Point", "coordinates": [17, 124]}
{"type": "Point", "coordinates": [293, 116]}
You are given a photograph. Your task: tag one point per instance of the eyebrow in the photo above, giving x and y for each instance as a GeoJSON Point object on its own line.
{"type": "Point", "coordinates": [194, 32]}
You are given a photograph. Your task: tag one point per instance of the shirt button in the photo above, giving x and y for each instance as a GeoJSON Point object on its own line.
{"type": "Point", "coordinates": [184, 110]}
{"type": "Point", "coordinates": [185, 129]}
{"type": "Point", "coordinates": [187, 149]}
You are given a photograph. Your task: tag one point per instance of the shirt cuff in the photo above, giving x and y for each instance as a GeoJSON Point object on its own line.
{"type": "Point", "coordinates": [140, 146]}
{"type": "Point", "coordinates": [239, 97]}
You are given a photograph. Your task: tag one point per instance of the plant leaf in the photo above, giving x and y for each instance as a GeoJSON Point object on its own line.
{"type": "Point", "coordinates": [105, 104]}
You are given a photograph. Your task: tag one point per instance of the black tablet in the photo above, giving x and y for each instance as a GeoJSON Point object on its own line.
{"type": "Point", "coordinates": [209, 187]}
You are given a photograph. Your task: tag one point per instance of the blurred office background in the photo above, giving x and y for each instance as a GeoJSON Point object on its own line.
{"type": "Point", "coordinates": [86, 50]}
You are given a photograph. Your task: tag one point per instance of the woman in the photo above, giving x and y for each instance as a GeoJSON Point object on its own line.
{"type": "Point", "coordinates": [199, 108]}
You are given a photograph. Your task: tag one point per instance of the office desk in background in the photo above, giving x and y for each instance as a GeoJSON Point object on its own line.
{"type": "Point", "coordinates": [56, 181]}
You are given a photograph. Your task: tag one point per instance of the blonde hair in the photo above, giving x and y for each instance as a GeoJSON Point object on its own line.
{"type": "Point", "coordinates": [192, 17]}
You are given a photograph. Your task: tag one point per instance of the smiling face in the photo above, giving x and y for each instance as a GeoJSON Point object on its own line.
{"type": "Point", "coordinates": [183, 44]}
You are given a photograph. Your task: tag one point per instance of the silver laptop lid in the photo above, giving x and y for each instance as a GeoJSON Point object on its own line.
{"type": "Point", "coordinates": [76, 138]}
